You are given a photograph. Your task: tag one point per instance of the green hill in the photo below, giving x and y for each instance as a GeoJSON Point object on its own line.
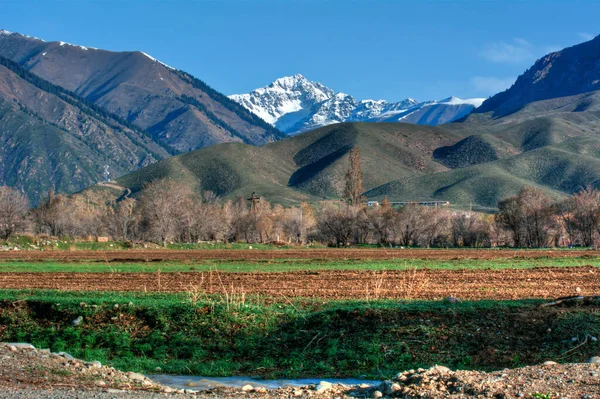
{"type": "Point", "coordinates": [476, 162]}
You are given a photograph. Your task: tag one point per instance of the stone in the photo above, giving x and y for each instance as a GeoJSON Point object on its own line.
{"type": "Point", "coordinates": [77, 321]}
{"type": "Point", "coordinates": [323, 386]}
{"type": "Point", "coordinates": [395, 387]}
{"type": "Point", "coordinates": [96, 364]}
{"type": "Point", "coordinates": [247, 388]}
{"type": "Point", "coordinates": [100, 383]}
{"type": "Point", "coordinates": [441, 369]}
{"type": "Point", "coordinates": [65, 355]}
{"type": "Point", "coordinates": [376, 395]}
{"type": "Point", "coordinates": [136, 376]}
{"type": "Point", "coordinates": [260, 389]}
{"type": "Point", "coordinates": [594, 360]}
{"type": "Point", "coordinates": [21, 345]}
{"type": "Point", "coordinates": [549, 363]}
{"type": "Point", "coordinates": [167, 389]}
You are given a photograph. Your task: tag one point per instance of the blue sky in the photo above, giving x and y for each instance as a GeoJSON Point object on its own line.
{"type": "Point", "coordinates": [369, 49]}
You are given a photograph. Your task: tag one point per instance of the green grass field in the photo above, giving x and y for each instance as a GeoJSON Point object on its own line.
{"type": "Point", "coordinates": [220, 336]}
{"type": "Point", "coordinates": [286, 265]}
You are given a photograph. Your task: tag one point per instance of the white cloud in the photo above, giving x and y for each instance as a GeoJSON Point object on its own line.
{"type": "Point", "coordinates": [517, 51]}
{"type": "Point", "coordinates": [586, 36]}
{"type": "Point", "coordinates": [489, 85]}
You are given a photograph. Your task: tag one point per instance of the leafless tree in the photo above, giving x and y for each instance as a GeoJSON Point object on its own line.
{"type": "Point", "coordinates": [164, 205]}
{"type": "Point", "coordinates": [121, 218]}
{"type": "Point", "coordinates": [14, 208]}
{"type": "Point", "coordinates": [409, 223]}
{"type": "Point", "coordinates": [336, 225]}
{"type": "Point", "coordinates": [470, 230]}
{"type": "Point", "coordinates": [381, 220]}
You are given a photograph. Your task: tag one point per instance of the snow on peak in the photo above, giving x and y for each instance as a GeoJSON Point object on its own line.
{"type": "Point", "coordinates": [155, 60]}
{"type": "Point", "coordinates": [9, 33]}
{"type": "Point", "coordinates": [295, 104]}
{"type": "Point", "coordinates": [476, 102]}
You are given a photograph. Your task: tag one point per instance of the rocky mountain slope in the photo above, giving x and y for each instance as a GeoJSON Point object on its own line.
{"type": "Point", "coordinates": [571, 71]}
{"type": "Point", "coordinates": [173, 106]}
{"type": "Point", "coordinates": [52, 138]}
{"type": "Point", "coordinates": [294, 104]}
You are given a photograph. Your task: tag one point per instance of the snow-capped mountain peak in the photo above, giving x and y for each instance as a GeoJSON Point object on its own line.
{"type": "Point", "coordinates": [295, 104]}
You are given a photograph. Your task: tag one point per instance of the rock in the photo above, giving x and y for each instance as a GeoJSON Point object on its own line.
{"type": "Point", "coordinates": [440, 369]}
{"type": "Point", "coordinates": [594, 360]}
{"type": "Point", "coordinates": [323, 386]}
{"type": "Point", "coordinates": [136, 376]}
{"type": "Point", "coordinates": [77, 321]}
{"type": "Point", "coordinates": [12, 348]}
{"type": "Point", "coordinates": [65, 355]}
{"type": "Point", "coordinates": [260, 389]}
{"type": "Point", "coordinates": [549, 363]}
{"type": "Point", "coordinates": [96, 364]}
{"type": "Point", "coordinates": [297, 392]}
{"type": "Point", "coordinates": [100, 383]}
{"type": "Point", "coordinates": [395, 387]}
{"type": "Point", "coordinates": [247, 388]}
{"type": "Point", "coordinates": [20, 345]}
{"type": "Point", "coordinates": [167, 389]}
{"type": "Point", "coordinates": [376, 395]}
{"type": "Point", "coordinates": [158, 369]}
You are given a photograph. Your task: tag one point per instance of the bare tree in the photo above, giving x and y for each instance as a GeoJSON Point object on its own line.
{"type": "Point", "coordinates": [354, 179]}
{"type": "Point", "coordinates": [470, 230]}
{"type": "Point", "coordinates": [381, 219]}
{"type": "Point", "coordinates": [336, 225]}
{"type": "Point", "coordinates": [409, 223]}
{"type": "Point", "coordinates": [14, 208]}
{"type": "Point", "coordinates": [581, 216]}
{"type": "Point", "coordinates": [529, 217]}
{"type": "Point", "coordinates": [164, 205]}
{"type": "Point", "coordinates": [121, 218]}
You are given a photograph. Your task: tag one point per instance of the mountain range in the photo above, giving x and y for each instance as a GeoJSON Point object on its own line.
{"type": "Point", "coordinates": [293, 104]}
{"type": "Point", "coordinates": [67, 111]}
{"type": "Point", "coordinates": [542, 132]}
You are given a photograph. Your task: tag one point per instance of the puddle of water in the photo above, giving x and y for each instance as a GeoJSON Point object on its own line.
{"type": "Point", "coordinates": [204, 383]}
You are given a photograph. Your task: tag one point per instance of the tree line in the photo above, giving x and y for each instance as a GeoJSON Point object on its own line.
{"type": "Point", "coordinates": [168, 211]}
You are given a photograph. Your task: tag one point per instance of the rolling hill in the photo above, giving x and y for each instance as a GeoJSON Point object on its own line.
{"type": "Point", "coordinates": [476, 162]}
{"type": "Point", "coordinates": [309, 166]}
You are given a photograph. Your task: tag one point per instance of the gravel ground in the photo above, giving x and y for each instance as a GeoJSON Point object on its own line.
{"type": "Point", "coordinates": [26, 372]}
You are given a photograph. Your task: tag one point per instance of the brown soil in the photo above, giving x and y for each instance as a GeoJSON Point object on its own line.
{"type": "Point", "coordinates": [544, 282]}
{"type": "Point", "coordinates": [315, 254]}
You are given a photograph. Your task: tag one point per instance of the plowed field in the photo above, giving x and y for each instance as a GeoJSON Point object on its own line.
{"type": "Point", "coordinates": [317, 254]}
{"type": "Point", "coordinates": [546, 282]}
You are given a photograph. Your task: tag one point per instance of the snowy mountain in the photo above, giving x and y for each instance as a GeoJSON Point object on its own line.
{"type": "Point", "coordinates": [294, 104]}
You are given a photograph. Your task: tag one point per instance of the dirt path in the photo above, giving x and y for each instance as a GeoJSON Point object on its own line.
{"type": "Point", "coordinates": [546, 282]}
{"type": "Point", "coordinates": [316, 254]}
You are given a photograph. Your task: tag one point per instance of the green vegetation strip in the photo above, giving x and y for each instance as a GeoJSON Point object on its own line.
{"type": "Point", "coordinates": [287, 265]}
{"type": "Point", "coordinates": [220, 336]}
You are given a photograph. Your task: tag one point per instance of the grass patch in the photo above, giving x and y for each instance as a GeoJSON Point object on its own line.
{"type": "Point", "coordinates": [287, 265]}
{"type": "Point", "coordinates": [301, 338]}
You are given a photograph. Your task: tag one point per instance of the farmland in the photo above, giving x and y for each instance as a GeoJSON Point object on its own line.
{"type": "Point", "coordinates": [339, 312]}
